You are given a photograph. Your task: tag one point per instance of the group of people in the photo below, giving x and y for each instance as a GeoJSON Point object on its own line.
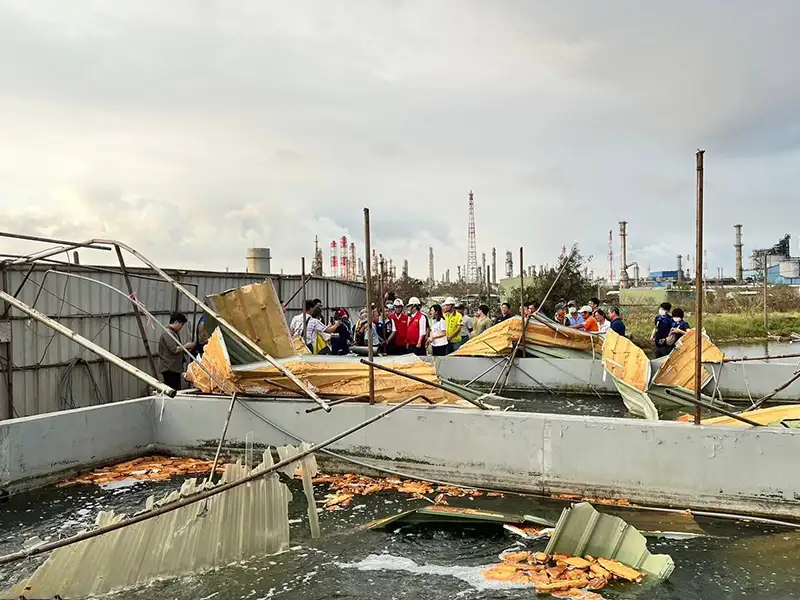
{"type": "Point", "coordinates": [407, 329]}
{"type": "Point", "coordinates": [668, 327]}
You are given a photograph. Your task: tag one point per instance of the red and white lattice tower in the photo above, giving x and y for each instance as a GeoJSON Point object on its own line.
{"type": "Point", "coordinates": [352, 261]}
{"type": "Point", "coordinates": [471, 274]}
{"type": "Point", "coordinates": [611, 275]}
{"type": "Point", "coordinates": [345, 264]}
{"type": "Point", "coordinates": [334, 260]}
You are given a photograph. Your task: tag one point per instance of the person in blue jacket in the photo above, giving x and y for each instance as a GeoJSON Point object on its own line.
{"type": "Point", "coordinates": [662, 325]}
{"type": "Point", "coordinates": [616, 322]}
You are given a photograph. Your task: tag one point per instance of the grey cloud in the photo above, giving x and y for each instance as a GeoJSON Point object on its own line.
{"type": "Point", "coordinates": [194, 125]}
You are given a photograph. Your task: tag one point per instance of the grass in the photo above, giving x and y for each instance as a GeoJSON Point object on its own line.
{"type": "Point", "coordinates": [747, 325]}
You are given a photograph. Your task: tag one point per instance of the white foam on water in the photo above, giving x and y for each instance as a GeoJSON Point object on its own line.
{"type": "Point", "coordinates": [471, 575]}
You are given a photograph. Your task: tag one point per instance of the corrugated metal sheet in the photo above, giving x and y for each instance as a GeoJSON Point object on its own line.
{"type": "Point", "coordinates": [41, 359]}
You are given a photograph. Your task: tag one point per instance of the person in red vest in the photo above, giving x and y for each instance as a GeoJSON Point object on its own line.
{"type": "Point", "coordinates": [417, 334]}
{"type": "Point", "coordinates": [398, 340]}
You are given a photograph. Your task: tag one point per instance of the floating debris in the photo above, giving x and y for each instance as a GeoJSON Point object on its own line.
{"type": "Point", "coordinates": [146, 468]}
{"type": "Point", "coordinates": [582, 530]}
{"type": "Point", "coordinates": [360, 485]}
{"type": "Point", "coordinates": [607, 501]}
{"type": "Point", "coordinates": [569, 576]}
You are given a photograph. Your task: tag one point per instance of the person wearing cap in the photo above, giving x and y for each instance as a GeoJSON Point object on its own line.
{"type": "Point", "coordinates": [561, 315]}
{"type": "Point", "coordinates": [575, 318]}
{"type": "Point", "coordinates": [466, 322]}
{"type": "Point", "coordinates": [398, 339]}
{"type": "Point", "coordinates": [589, 324]}
{"type": "Point", "coordinates": [483, 322]}
{"type": "Point", "coordinates": [417, 333]}
{"type": "Point", "coordinates": [342, 335]}
{"type": "Point", "coordinates": [452, 319]}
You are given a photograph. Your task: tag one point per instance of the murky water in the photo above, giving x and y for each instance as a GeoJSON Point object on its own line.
{"type": "Point", "coordinates": [760, 348]}
{"type": "Point", "coordinates": [737, 560]}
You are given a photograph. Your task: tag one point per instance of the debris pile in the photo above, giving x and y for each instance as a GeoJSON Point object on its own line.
{"type": "Point", "coordinates": [561, 573]}
{"type": "Point", "coordinates": [146, 468]}
{"type": "Point", "coordinates": [345, 487]}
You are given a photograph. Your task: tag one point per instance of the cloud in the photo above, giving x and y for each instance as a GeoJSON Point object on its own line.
{"type": "Point", "coordinates": [193, 131]}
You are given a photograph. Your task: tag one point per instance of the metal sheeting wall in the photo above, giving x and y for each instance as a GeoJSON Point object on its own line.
{"type": "Point", "coordinates": [49, 372]}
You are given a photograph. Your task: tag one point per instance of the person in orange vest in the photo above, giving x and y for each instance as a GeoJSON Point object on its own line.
{"type": "Point", "coordinates": [417, 334]}
{"type": "Point", "coordinates": [398, 340]}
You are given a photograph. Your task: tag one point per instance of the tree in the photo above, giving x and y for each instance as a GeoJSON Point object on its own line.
{"type": "Point", "coordinates": [571, 285]}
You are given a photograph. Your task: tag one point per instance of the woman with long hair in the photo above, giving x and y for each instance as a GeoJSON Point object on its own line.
{"type": "Point", "coordinates": [438, 337]}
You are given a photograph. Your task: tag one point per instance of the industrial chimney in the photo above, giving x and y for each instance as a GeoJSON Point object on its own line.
{"type": "Point", "coordinates": [494, 266]}
{"type": "Point", "coordinates": [623, 244]}
{"type": "Point", "coordinates": [258, 260]}
{"type": "Point", "coordinates": [738, 247]}
{"type": "Point", "coordinates": [680, 268]}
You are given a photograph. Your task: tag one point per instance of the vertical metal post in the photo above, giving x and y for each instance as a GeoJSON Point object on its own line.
{"type": "Point", "coordinates": [8, 345]}
{"type": "Point", "coordinates": [698, 363]}
{"type": "Point", "coordinates": [381, 275]}
{"type": "Point", "coordinates": [766, 282]}
{"type": "Point", "coordinates": [136, 313]}
{"type": "Point", "coordinates": [522, 297]}
{"type": "Point", "coordinates": [303, 292]}
{"type": "Point", "coordinates": [368, 333]}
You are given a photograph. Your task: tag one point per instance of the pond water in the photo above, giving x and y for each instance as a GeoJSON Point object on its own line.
{"type": "Point", "coordinates": [736, 560]}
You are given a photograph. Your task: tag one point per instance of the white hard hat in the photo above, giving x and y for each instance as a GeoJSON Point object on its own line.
{"type": "Point", "coordinates": [398, 302]}
{"type": "Point", "coordinates": [449, 300]}
{"type": "Point", "coordinates": [414, 301]}
{"type": "Point", "coordinates": [586, 308]}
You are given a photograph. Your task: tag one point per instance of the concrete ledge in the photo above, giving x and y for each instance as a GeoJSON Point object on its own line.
{"type": "Point", "coordinates": [656, 463]}
{"type": "Point", "coordinates": [39, 450]}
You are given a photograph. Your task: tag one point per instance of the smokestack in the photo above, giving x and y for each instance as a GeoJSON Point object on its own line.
{"type": "Point", "coordinates": [738, 247]}
{"type": "Point", "coordinates": [483, 267]}
{"type": "Point", "coordinates": [636, 274]}
{"type": "Point", "coordinates": [509, 264]}
{"type": "Point", "coordinates": [258, 260]}
{"type": "Point", "coordinates": [680, 268]}
{"type": "Point", "coordinates": [494, 266]}
{"type": "Point", "coordinates": [623, 246]}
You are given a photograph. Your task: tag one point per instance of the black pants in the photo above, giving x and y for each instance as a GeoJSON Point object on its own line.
{"type": "Point", "coordinates": [439, 350]}
{"type": "Point", "coordinates": [662, 350]}
{"type": "Point", "coordinates": [172, 379]}
{"type": "Point", "coordinates": [418, 351]}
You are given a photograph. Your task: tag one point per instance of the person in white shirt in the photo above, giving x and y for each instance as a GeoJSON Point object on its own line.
{"type": "Point", "coordinates": [313, 325]}
{"type": "Point", "coordinates": [603, 324]}
{"type": "Point", "coordinates": [438, 337]}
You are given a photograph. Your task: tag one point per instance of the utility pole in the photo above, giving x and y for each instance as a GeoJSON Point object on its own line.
{"type": "Point", "coordinates": [368, 271]}
{"type": "Point", "coordinates": [698, 363]}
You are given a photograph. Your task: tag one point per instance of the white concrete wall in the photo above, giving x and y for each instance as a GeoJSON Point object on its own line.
{"type": "Point", "coordinates": [665, 463]}
{"type": "Point", "coordinates": [41, 449]}
{"type": "Point", "coordinates": [754, 379]}
{"type": "Point", "coordinates": [564, 374]}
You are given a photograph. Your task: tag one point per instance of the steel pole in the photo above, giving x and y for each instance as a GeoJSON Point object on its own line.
{"type": "Point", "coordinates": [522, 300]}
{"type": "Point", "coordinates": [368, 332]}
{"type": "Point", "coordinates": [303, 290]}
{"type": "Point", "coordinates": [766, 279]}
{"type": "Point", "coordinates": [89, 345]}
{"type": "Point", "coordinates": [136, 312]}
{"type": "Point", "coordinates": [698, 362]}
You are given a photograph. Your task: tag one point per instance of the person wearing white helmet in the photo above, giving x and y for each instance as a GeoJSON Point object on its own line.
{"type": "Point", "coordinates": [398, 339]}
{"type": "Point", "coordinates": [454, 322]}
{"type": "Point", "coordinates": [417, 334]}
{"type": "Point", "coordinates": [589, 323]}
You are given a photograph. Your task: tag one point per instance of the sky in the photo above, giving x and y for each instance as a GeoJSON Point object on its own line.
{"type": "Point", "coordinates": [194, 129]}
